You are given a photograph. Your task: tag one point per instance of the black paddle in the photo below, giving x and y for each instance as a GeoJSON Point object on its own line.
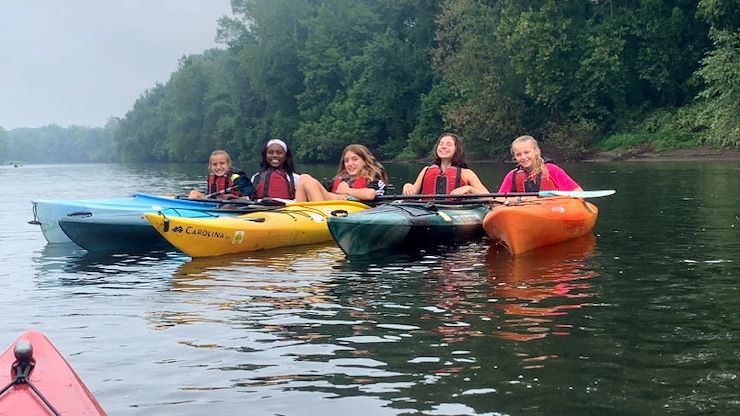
{"type": "Point", "coordinates": [237, 202]}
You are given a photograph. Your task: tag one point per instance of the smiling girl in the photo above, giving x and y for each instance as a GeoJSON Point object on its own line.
{"type": "Point", "coordinates": [359, 176]}
{"type": "Point", "coordinates": [277, 177]}
{"type": "Point", "coordinates": [224, 182]}
{"type": "Point", "coordinates": [449, 174]}
{"type": "Point", "coordinates": [533, 173]}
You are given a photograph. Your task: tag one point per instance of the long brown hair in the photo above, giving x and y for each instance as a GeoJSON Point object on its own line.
{"type": "Point", "coordinates": [539, 162]}
{"type": "Point", "coordinates": [458, 158]}
{"type": "Point", "coordinates": [371, 171]}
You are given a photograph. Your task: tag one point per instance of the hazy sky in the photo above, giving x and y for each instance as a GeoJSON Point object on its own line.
{"type": "Point", "coordinates": [79, 62]}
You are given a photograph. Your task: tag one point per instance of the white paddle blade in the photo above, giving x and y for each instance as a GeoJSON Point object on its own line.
{"type": "Point", "coordinates": [579, 194]}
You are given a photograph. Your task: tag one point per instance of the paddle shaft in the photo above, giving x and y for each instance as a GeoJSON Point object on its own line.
{"type": "Point", "coordinates": [576, 194]}
{"type": "Point", "coordinates": [223, 191]}
{"type": "Point", "coordinates": [237, 202]}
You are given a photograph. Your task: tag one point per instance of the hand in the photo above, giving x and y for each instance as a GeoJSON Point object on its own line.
{"type": "Point", "coordinates": [462, 190]}
{"type": "Point", "coordinates": [408, 189]}
{"type": "Point", "coordinates": [343, 188]}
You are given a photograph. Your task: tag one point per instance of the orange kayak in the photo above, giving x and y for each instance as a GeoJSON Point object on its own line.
{"type": "Point", "coordinates": [36, 380]}
{"type": "Point", "coordinates": [540, 222]}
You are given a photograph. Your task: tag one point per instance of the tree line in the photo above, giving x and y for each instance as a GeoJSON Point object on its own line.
{"type": "Point", "coordinates": [393, 74]}
{"type": "Point", "coordinates": [56, 144]}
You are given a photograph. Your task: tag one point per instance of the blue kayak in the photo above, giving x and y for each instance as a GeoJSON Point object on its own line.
{"type": "Point", "coordinates": [47, 213]}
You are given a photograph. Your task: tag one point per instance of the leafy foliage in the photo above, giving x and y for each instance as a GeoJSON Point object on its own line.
{"type": "Point", "coordinates": [721, 72]}
{"type": "Point", "coordinates": [670, 128]}
{"type": "Point", "coordinates": [393, 74]}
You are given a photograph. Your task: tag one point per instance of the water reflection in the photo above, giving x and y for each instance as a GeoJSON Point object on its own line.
{"type": "Point", "coordinates": [306, 331]}
{"type": "Point", "coordinates": [70, 265]}
{"type": "Point", "coordinates": [269, 289]}
{"type": "Point", "coordinates": [534, 289]}
{"type": "Point", "coordinates": [457, 294]}
{"type": "Point", "coordinates": [275, 318]}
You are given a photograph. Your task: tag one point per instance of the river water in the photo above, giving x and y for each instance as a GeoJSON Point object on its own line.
{"type": "Point", "coordinates": [640, 318]}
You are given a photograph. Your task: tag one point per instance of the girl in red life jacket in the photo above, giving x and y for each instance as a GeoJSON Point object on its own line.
{"type": "Point", "coordinates": [359, 176]}
{"type": "Point", "coordinates": [277, 177]}
{"type": "Point", "coordinates": [224, 182]}
{"type": "Point", "coordinates": [449, 174]}
{"type": "Point", "coordinates": [533, 173]}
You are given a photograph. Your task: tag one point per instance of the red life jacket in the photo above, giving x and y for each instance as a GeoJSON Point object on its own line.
{"type": "Point", "coordinates": [358, 182]}
{"type": "Point", "coordinates": [221, 183]}
{"type": "Point", "coordinates": [437, 182]}
{"type": "Point", "coordinates": [520, 182]}
{"type": "Point", "coordinates": [274, 183]}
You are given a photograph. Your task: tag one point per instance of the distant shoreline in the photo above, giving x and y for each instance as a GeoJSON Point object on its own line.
{"type": "Point", "coordinates": [646, 155]}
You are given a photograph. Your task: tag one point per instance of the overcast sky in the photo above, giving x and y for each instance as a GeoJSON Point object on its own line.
{"type": "Point", "coordinates": [79, 62]}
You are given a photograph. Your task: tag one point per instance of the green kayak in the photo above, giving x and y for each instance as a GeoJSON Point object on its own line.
{"type": "Point", "coordinates": [406, 225]}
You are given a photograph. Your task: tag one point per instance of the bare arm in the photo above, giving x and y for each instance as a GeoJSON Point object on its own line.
{"type": "Point", "coordinates": [363, 194]}
{"type": "Point", "coordinates": [474, 186]}
{"type": "Point", "coordinates": [415, 188]}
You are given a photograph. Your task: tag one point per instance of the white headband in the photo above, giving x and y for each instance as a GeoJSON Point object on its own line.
{"type": "Point", "coordinates": [278, 142]}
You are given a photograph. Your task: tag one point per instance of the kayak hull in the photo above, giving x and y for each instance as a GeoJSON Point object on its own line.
{"type": "Point", "coordinates": [296, 223]}
{"type": "Point", "coordinates": [540, 222]}
{"type": "Point", "coordinates": [128, 233]}
{"type": "Point", "coordinates": [113, 233]}
{"type": "Point", "coordinates": [53, 378]}
{"type": "Point", "coordinates": [406, 225]}
{"type": "Point", "coordinates": [47, 213]}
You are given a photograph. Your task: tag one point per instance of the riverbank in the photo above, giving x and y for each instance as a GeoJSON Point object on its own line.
{"type": "Point", "coordinates": [647, 154]}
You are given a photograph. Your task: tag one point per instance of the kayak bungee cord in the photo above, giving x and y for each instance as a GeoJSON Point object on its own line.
{"type": "Point", "coordinates": [304, 211]}
{"type": "Point", "coordinates": [22, 367]}
{"type": "Point", "coordinates": [35, 220]}
{"type": "Point", "coordinates": [431, 207]}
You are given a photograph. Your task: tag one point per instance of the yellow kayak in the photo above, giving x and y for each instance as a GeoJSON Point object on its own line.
{"type": "Point", "coordinates": [294, 224]}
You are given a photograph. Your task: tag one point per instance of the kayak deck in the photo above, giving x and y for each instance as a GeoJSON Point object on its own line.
{"type": "Point", "coordinates": [406, 225]}
{"type": "Point", "coordinates": [296, 223]}
{"type": "Point", "coordinates": [540, 222]}
{"type": "Point", "coordinates": [53, 378]}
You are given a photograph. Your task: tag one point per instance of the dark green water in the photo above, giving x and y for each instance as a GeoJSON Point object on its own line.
{"type": "Point", "coordinates": [641, 318]}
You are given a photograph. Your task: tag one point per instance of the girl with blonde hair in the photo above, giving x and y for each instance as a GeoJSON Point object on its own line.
{"type": "Point", "coordinates": [224, 181]}
{"type": "Point", "coordinates": [533, 173]}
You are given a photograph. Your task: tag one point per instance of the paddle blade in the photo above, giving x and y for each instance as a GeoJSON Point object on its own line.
{"type": "Point", "coordinates": [579, 194]}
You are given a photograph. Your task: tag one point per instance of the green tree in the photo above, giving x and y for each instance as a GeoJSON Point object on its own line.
{"type": "Point", "coordinates": [186, 137]}
{"type": "Point", "coordinates": [721, 71]}
{"type": "Point", "coordinates": [489, 106]}
{"type": "Point", "coordinates": [430, 123]}
{"type": "Point", "coordinates": [531, 66]}
{"type": "Point", "coordinates": [140, 135]}
{"type": "Point", "coordinates": [55, 144]}
{"type": "Point", "coordinates": [366, 66]}
{"type": "Point", "coordinates": [267, 37]}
